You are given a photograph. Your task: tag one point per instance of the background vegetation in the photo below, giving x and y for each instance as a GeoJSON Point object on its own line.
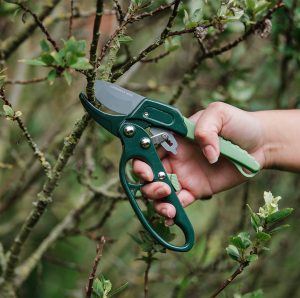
{"type": "Point", "coordinates": [59, 188]}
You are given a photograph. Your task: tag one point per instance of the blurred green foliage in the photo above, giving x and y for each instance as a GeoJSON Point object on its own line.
{"type": "Point", "coordinates": [262, 72]}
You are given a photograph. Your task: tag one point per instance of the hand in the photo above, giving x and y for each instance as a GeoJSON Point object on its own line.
{"type": "Point", "coordinates": [200, 169]}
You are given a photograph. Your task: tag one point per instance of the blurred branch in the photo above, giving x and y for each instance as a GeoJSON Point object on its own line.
{"type": "Point", "coordinates": [10, 45]}
{"type": "Point", "coordinates": [201, 56]}
{"type": "Point", "coordinates": [156, 44]}
{"type": "Point", "coordinates": [25, 82]}
{"type": "Point", "coordinates": [105, 216]}
{"type": "Point", "coordinates": [157, 58]}
{"type": "Point", "coordinates": [39, 24]}
{"type": "Point", "coordinates": [69, 223]}
{"type": "Point", "coordinates": [130, 18]}
{"type": "Point", "coordinates": [71, 18]}
{"type": "Point", "coordinates": [284, 78]}
{"type": "Point", "coordinates": [44, 197]}
{"type": "Point", "coordinates": [37, 152]}
{"type": "Point", "coordinates": [146, 274]}
{"type": "Point", "coordinates": [99, 250]}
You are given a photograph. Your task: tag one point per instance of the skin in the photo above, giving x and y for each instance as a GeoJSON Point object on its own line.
{"type": "Point", "coordinates": [272, 137]}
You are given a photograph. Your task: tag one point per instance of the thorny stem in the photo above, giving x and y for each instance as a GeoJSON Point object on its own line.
{"type": "Point", "coordinates": [99, 250]}
{"type": "Point", "coordinates": [37, 152]}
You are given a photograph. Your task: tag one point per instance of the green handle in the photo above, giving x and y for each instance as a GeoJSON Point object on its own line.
{"type": "Point", "coordinates": [132, 148]}
{"type": "Point", "coordinates": [239, 157]}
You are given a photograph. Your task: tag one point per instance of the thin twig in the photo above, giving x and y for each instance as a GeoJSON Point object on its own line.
{"type": "Point", "coordinates": [157, 58]}
{"type": "Point", "coordinates": [40, 24]}
{"type": "Point", "coordinates": [146, 274]}
{"type": "Point", "coordinates": [227, 282]}
{"type": "Point", "coordinates": [99, 251]}
{"type": "Point", "coordinates": [71, 18]}
{"type": "Point", "coordinates": [25, 82]}
{"type": "Point", "coordinates": [12, 44]}
{"type": "Point", "coordinates": [200, 57]}
{"type": "Point", "coordinates": [93, 51]}
{"type": "Point", "coordinates": [37, 152]}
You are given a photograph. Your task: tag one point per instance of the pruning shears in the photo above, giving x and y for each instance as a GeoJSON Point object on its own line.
{"type": "Point", "coordinates": [142, 124]}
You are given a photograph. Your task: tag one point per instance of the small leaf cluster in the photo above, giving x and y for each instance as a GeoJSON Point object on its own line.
{"type": "Point", "coordinates": [70, 56]}
{"type": "Point", "coordinates": [10, 114]}
{"type": "Point", "coordinates": [102, 288]}
{"type": "Point", "coordinates": [145, 240]}
{"type": "Point", "coordinates": [244, 247]}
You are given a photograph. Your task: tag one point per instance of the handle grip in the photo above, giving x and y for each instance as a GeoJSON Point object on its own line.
{"type": "Point", "coordinates": [133, 148]}
{"type": "Point", "coordinates": [238, 156]}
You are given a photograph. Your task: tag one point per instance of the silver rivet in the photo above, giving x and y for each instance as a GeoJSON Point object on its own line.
{"type": "Point", "coordinates": [145, 143]}
{"type": "Point", "coordinates": [161, 175]}
{"type": "Point", "coordinates": [146, 114]}
{"type": "Point", "coordinates": [129, 130]}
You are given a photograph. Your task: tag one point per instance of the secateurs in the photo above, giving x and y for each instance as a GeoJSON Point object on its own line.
{"type": "Point", "coordinates": [143, 123]}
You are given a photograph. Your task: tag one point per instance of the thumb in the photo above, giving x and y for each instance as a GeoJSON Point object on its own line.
{"type": "Point", "coordinates": [209, 125]}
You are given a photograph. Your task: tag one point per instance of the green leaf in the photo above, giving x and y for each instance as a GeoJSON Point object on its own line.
{"type": "Point", "coordinates": [262, 236]}
{"type": "Point", "coordinates": [251, 4]}
{"type": "Point", "coordinates": [68, 77]}
{"type": "Point", "coordinates": [245, 237]}
{"type": "Point", "coordinates": [118, 290]}
{"type": "Point", "coordinates": [59, 57]}
{"type": "Point", "coordinates": [8, 111]}
{"type": "Point", "coordinates": [280, 228]}
{"type": "Point", "coordinates": [255, 294]}
{"type": "Point", "coordinates": [35, 62]}
{"type": "Point", "coordinates": [98, 287]}
{"type": "Point", "coordinates": [252, 258]}
{"type": "Point", "coordinates": [47, 58]}
{"type": "Point", "coordinates": [255, 220]}
{"type": "Point", "coordinates": [279, 215]}
{"type": "Point", "coordinates": [237, 241]}
{"type": "Point", "coordinates": [233, 252]}
{"type": "Point", "coordinates": [44, 45]}
{"type": "Point", "coordinates": [81, 63]}
{"type": "Point", "coordinates": [52, 75]}
{"type": "Point", "coordinates": [136, 239]}
{"type": "Point", "coordinates": [125, 39]}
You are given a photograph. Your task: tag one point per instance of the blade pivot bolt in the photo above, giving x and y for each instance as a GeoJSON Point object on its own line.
{"type": "Point", "coordinates": [129, 130]}
{"type": "Point", "coordinates": [146, 114]}
{"type": "Point", "coordinates": [161, 175]}
{"type": "Point", "coordinates": [145, 143]}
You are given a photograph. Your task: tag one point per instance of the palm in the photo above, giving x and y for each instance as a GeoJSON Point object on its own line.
{"type": "Point", "coordinates": [196, 175]}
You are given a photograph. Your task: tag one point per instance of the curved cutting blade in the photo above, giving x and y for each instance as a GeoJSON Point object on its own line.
{"type": "Point", "coordinates": [116, 98]}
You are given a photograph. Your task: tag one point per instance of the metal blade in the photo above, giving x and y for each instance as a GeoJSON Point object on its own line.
{"type": "Point", "coordinates": [116, 98]}
{"type": "Point", "coordinates": [170, 144]}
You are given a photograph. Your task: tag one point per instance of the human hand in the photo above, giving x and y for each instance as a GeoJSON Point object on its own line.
{"type": "Point", "coordinates": [200, 169]}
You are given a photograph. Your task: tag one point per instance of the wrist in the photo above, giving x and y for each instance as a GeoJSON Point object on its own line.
{"type": "Point", "coordinates": [270, 143]}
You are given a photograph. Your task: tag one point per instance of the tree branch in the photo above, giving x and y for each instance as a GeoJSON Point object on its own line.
{"type": "Point", "coordinates": [13, 43]}
{"type": "Point", "coordinates": [37, 152]}
{"type": "Point", "coordinates": [99, 250]}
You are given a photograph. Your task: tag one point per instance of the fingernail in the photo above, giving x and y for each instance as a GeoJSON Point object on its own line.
{"type": "Point", "coordinates": [210, 153]}
{"type": "Point", "coordinates": [146, 176]}
{"type": "Point", "coordinates": [169, 222]}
